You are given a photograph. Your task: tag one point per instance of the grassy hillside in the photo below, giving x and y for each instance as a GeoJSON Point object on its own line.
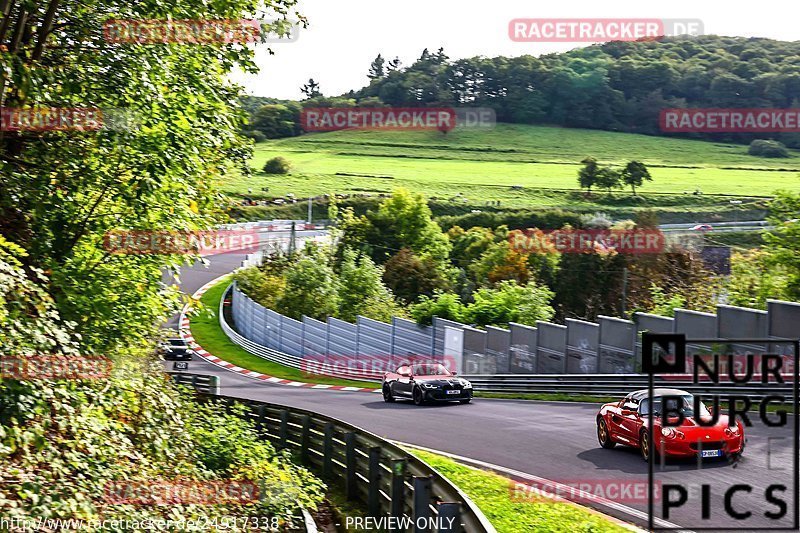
{"type": "Point", "coordinates": [486, 164]}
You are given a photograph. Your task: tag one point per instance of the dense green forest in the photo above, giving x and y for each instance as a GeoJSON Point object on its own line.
{"type": "Point", "coordinates": [618, 86]}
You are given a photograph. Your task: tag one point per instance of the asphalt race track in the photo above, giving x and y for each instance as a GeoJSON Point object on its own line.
{"type": "Point", "coordinates": [553, 440]}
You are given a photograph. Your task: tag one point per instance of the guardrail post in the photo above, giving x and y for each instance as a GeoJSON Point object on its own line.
{"type": "Point", "coordinates": [374, 495]}
{"type": "Point", "coordinates": [260, 421]}
{"type": "Point", "coordinates": [422, 500]}
{"type": "Point", "coordinates": [305, 437]}
{"type": "Point", "coordinates": [449, 517]}
{"type": "Point", "coordinates": [284, 431]}
{"type": "Point", "coordinates": [398, 487]}
{"type": "Point", "coordinates": [194, 382]}
{"type": "Point", "coordinates": [350, 464]}
{"type": "Point", "coordinates": [214, 385]}
{"type": "Point", "coordinates": [327, 451]}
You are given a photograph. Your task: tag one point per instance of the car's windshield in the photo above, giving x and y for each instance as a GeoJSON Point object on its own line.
{"type": "Point", "coordinates": [429, 370]}
{"type": "Point", "coordinates": [683, 404]}
{"type": "Point", "coordinates": [177, 342]}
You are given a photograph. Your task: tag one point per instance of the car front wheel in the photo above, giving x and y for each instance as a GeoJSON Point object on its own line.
{"type": "Point", "coordinates": [644, 445]}
{"type": "Point", "coordinates": [603, 436]}
{"type": "Point", "coordinates": [388, 397]}
{"type": "Point", "coordinates": [419, 399]}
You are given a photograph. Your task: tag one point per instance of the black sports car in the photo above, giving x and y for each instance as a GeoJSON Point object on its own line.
{"type": "Point", "coordinates": [175, 349]}
{"type": "Point", "coordinates": [425, 382]}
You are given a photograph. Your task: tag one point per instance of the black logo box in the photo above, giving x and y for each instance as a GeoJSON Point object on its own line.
{"type": "Point", "coordinates": [678, 366]}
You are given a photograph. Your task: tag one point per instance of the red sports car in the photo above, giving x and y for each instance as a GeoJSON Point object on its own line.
{"type": "Point", "coordinates": [626, 422]}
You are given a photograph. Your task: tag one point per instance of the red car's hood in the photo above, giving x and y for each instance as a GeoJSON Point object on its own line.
{"type": "Point", "coordinates": [690, 426]}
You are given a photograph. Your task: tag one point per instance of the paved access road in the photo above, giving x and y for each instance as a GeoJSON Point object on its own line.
{"type": "Point", "coordinates": [549, 439]}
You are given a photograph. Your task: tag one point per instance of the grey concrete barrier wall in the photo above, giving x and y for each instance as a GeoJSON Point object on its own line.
{"type": "Point", "coordinates": [439, 325]}
{"type": "Point", "coordinates": [315, 337]}
{"type": "Point", "coordinates": [612, 345]}
{"type": "Point", "coordinates": [475, 359]}
{"type": "Point", "coordinates": [291, 336]}
{"type": "Point", "coordinates": [583, 340]}
{"type": "Point", "coordinates": [374, 338]}
{"type": "Point", "coordinates": [696, 325]}
{"type": "Point", "coordinates": [522, 352]}
{"type": "Point", "coordinates": [498, 343]}
{"type": "Point", "coordinates": [411, 339]}
{"type": "Point", "coordinates": [551, 348]}
{"type": "Point", "coordinates": [617, 346]}
{"type": "Point", "coordinates": [342, 338]}
{"type": "Point", "coordinates": [739, 322]}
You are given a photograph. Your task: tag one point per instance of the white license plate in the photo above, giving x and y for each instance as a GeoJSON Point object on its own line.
{"type": "Point", "coordinates": [453, 392]}
{"type": "Point", "coordinates": [711, 453]}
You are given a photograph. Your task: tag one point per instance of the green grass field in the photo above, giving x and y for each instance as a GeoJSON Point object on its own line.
{"type": "Point", "coordinates": [485, 164]}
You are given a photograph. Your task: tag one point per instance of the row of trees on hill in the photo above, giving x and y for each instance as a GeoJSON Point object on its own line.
{"type": "Point", "coordinates": [633, 175]}
{"type": "Point", "coordinates": [618, 86]}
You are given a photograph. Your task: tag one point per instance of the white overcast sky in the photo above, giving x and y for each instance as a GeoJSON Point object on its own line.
{"type": "Point", "coordinates": [344, 36]}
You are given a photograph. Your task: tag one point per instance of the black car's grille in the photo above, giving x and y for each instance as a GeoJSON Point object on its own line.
{"type": "Point", "coordinates": [707, 445]}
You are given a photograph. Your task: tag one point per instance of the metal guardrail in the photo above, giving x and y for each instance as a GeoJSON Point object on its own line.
{"type": "Point", "coordinates": [387, 479]}
{"type": "Point", "coordinates": [200, 383]}
{"type": "Point", "coordinates": [614, 385]}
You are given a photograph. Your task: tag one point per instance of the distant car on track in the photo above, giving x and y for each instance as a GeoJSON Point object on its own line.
{"type": "Point", "coordinates": [703, 227]}
{"type": "Point", "coordinates": [425, 382]}
{"type": "Point", "coordinates": [626, 422]}
{"type": "Point", "coordinates": [175, 349]}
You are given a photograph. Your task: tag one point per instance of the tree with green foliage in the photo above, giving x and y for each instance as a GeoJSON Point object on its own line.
{"type": "Point", "coordinates": [510, 302]}
{"type": "Point", "coordinates": [376, 70]}
{"type": "Point", "coordinates": [277, 165]}
{"type": "Point", "coordinates": [276, 121]}
{"type": "Point", "coordinates": [754, 279]}
{"type": "Point", "coordinates": [634, 174]}
{"type": "Point", "coordinates": [311, 89]}
{"type": "Point", "coordinates": [587, 176]}
{"type": "Point", "coordinates": [411, 277]}
{"type": "Point", "coordinates": [312, 289]}
{"type": "Point", "coordinates": [608, 178]}
{"type": "Point", "coordinates": [767, 148]}
{"type": "Point", "coordinates": [444, 305]}
{"type": "Point", "coordinates": [362, 292]}
{"type": "Point", "coordinates": [783, 240]}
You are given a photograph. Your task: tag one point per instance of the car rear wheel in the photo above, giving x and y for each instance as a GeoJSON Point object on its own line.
{"type": "Point", "coordinates": [418, 398]}
{"type": "Point", "coordinates": [388, 397]}
{"type": "Point", "coordinates": [603, 435]}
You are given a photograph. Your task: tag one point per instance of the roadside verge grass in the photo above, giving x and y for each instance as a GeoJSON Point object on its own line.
{"type": "Point", "coordinates": [208, 334]}
{"type": "Point", "coordinates": [493, 494]}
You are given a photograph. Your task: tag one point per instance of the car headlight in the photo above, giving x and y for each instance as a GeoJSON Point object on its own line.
{"type": "Point", "coordinates": [466, 384]}
{"type": "Point", "coordinates": [428, 385]}
{"type": "Point", "coordinates": [732, 431]}
{"type": "Point", "coordinates": [672, 433]}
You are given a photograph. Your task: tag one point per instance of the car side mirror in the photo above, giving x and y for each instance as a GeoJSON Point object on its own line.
{"type": "Point", "coordinates": [454, 373]}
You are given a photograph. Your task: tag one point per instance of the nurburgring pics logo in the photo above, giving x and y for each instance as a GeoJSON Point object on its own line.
{"type": "Point", "coordinates": [181, 492]}
{"type": "Point", "coordinates": [54, 367]}
{"type": "Point", "coordinates": [555, 30]}
{"type": "Point", "coordinates": [199, 31]}
{"type": "Point", "coordinates": [395, 118]}
{"type": "Point", "coordinates": [200, 242]}
{"type": "Point", "coordinates": [578, 241]}
{"type": "Point", "coordinates": [720, 120]}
